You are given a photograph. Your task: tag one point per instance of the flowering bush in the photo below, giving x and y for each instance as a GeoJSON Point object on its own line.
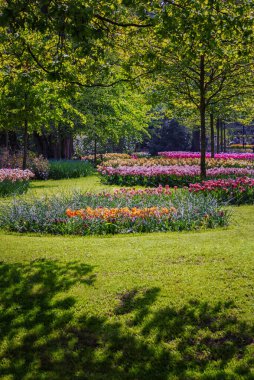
{"type": "Point", "coordinates": [174, 175]}
{"type": "Point", "coordinates": [122, 211]}
{"type": "Point", "coordinates": [37, 164]}
{"type": "Point", "coordinates": [235, 156]}
{"type": "Point", "coordinates": [14, 181]}
{"type": "Point", "coordinates": [234, 191]}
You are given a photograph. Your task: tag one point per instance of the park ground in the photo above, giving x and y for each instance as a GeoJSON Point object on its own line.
{"type": "Point", "coordinates": [144, 306]}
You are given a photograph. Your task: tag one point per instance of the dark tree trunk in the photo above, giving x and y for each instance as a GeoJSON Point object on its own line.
{"type": "Point", "coordinates": [221, 136]}
{"type": "Point", "coordinates": [195, 144]}
{"type": "Point", "coordinates": [218, 135]}
{"type": "Point", "coordinates": [25, 145]}
{"type": "Point", "coordinates": [224, 137]}
{"type": "Point", "coordinates": [202, 118]}
{"type": "Point", "coordinates": [243, 137]}
{"type": "Point", "coordinates": [212, 134]}
{"type": "Point", "coordinates": [7, 140]}
{"type": "Point", "coordinates": [3, 139]}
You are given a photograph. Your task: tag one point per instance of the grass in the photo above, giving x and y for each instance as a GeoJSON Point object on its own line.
{"type": "Point", "coordinates": [91, 183]}
{"type": "Point", "coordinates": [150, 306]}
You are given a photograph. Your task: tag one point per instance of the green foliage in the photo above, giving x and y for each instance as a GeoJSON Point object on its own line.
{"type": "Point", "coordinates": [10, 188]}
{"type": "Point", "coordinates": [69, 169]}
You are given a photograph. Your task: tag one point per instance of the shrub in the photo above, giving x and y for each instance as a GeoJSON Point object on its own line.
{"type": "Point", "coordinates": [123, 211]}
{"type": "Point", "coordinates": [69, 169]}
{"type": "Point", "coordinates": [37, 164]}
{"type": "Point", "coordinates": [14, 181]}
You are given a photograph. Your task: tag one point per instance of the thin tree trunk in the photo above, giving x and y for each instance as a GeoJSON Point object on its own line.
{"type": "Point", "coordinates": [7, 140]}
{"type": "Point", "coordinates": [25, 136]}
{"type": "Point", "coordinates": [218, 135]}
{"type": "Point", "coordinates": [202, 118]}
{"type": "Point", "coordinates": [224, 137]}
{"type": "Point", "coordinates": [25, 145]}
{"type": "Point", "coordinates": [212, 134]}
{"type": "Point", "coordinates": [221, 135]}
{"type": "Point", "coordinates": [95, 151]}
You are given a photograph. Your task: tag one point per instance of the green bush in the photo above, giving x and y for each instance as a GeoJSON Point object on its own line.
{"type": "Point", "coordinates": [13, 188]}
{"type": "Point", "coordinates": [69, 169]}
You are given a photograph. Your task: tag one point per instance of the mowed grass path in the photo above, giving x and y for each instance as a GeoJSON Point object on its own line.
{"type": "Point", "coordinates": [150, 306]}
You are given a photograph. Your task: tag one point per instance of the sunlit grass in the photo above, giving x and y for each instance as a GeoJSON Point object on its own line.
{"type": "Point", "coordinates": [145, 306]}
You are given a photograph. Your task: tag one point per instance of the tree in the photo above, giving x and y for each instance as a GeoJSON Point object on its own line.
{"type": "Point", "coordinates": [168, 135]}
{"type": "Point", "coordinates": [200, 48]}
{"type": "Point", "coordinates": [113, 114]}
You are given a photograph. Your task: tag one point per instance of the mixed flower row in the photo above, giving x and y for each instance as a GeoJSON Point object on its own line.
{"type": "Point", "coordinates": [235, 156]}
{"type": "Point", "coordinates": [178, 170]}
{"type": "Point", "coordinates": [86, 214]}
{"type": "Point", "coordinates": [233, 191]}
{"type": "Point", "coordinates": [106, 156]}
{"type": "Point", "coordinates": [110, 214]}
{"type": "Point", "coordinates": [167, 161]}
{"type": "Point", "coordinates": [162, 175]}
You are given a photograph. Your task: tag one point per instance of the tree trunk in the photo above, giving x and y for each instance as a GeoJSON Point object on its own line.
{"type": "Point", "coordinates": [218, 135]}
{"type": "Point", "coordinates": [7, 140]}
{"type": "Point", "coordinates": [25, 145]}
{"type": "Point", "coordinates": [195, 144]}
{"type": "Point", "coordinates": [221, 136]}
{"type": "Point", "coordinates": [95, 152]}
{"type": "Point", "coordinates": [212, 134]}
{"type": "Point", "coordinates": [224, 137]}
{"type": "Point", "coordinates": [202, 110]}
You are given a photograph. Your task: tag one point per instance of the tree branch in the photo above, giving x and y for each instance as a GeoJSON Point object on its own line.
{"type": "Point", "coordinates": [104, 85]}
{"type": "Point", "coordinates": [38, 62]}
{"type": "Point", "coordinates": [124, 25]}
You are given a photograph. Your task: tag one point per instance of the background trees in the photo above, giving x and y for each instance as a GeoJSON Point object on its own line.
{"type": "Point", "coordinates": [71, 64]}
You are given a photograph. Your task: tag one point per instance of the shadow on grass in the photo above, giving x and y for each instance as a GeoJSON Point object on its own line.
{"type": "Point", "coordinates": [42, 338]}
{"type": "Point", "coordinates": [34, 185]}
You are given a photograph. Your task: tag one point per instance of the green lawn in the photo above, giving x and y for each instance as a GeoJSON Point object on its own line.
{"type": "Point", "coordinates": [150, 306]}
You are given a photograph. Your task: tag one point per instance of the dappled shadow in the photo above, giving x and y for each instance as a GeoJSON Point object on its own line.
{"type": "Point", "coordinates": [43, 338]}
{"type": "Point", "coordinates": [35, 309]}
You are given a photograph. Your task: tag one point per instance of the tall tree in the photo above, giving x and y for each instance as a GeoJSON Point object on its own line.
{"type": "Point", "coordinates": [199, 49]}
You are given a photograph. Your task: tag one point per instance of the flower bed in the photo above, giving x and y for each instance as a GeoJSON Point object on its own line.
{"type": "Point", "coordinates": [164, 161]}
{"type": "Point", "coordinates": [235, 156]}
{"type": "Point", "coordinates": [14, 181]}
{"type": "Point", "coordinates": [123, 211]}
{"type": "Point", "coordinates": [233, 191]}
{"type": "Point", "coordinates": [106, 157]}
{"type": "Point", "coordinates": [175, 175]}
